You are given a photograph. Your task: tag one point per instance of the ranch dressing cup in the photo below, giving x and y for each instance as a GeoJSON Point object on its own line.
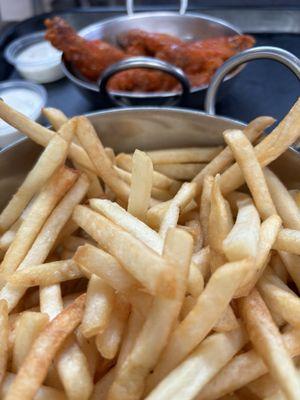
{"type": "Point", "coordinates": [35, 58]}
{"type": "Point", "coordinates": [26, 97]}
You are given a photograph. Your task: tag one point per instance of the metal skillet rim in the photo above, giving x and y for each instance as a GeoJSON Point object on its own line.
{"type": "Point", "coordinates": [94, 87]}
{"type": "Point", "coordinates": [136, 109]}
{"type": "Point", "coordinates": [154, 109]}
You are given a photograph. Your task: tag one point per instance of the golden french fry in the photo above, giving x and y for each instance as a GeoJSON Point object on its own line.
{"type": "Point", "coordinates": [102, 387]}
{"type": "Point", "coordinates": [71, 366]}
{"type": "Point", "coordinates": [43, 393]}
{"type": "Point", "coordinates": [30, 325]}
{"type": "Point", "coordinates": [187, 306]}
{"type": "Point", "coordinates": [181, 172]}
{"type": "Point", "coordinates": [89, 349]}
{"type": "Point", "coordinates": [95, 189]}
{"type": "Point", "coordinates": [288, 240]}
{"type": "Point", "coordinates": [73, 369]}
{"type": "Point", "coordinates": [243, 369]}
{"type": "Point", "coordinates": [73, 242]}
{"type": "Point", "coordinates": [51, 158]}
{"type": "Point", "coordinates": [4, 339]}
{"type": "Point", "coordinates": [225, 157]}
{"type": "Point", "coordinates": [205, 203]}
{"type": "Point", "coordinates": [102, 164]}
{"type": "Point", "coordinates": [201, 261]}
{"type": "Point", "coordinates": [128, 222]}
{"type": "Point", "coordinates": [142, 232]}
{"type": "Point", "coordinates": [157, 193]}
{"type": "Point", "coordinates": [133, 329]}
{"type": "Point", "coordinates": [8, 237]}
{"type": "Point", "coordinates": [67, 130]}
{"type": "Point", "coordinates": [140, 302]}
{"type": "Point", "coordinates": [183, 196]}
{"type": "Point", "coordinates": [156, 213]}
{"type": "Point", "coordinates": [40, 211]}
{"type": "Point", "coordinates": [51, 300]}
{"type": "Point", "coordinates": [69, 229]}
{"type": "Point", "coordinates": [105, 266]}
{"type": "Point", "coordinates": [220, 218]}
{"type": "Point", "coordinates": [185, 381]}
{"type": "Point", "coordinates": [46, 238]}
{"type": "Point", "coordinates": [183, 155]}
{"type": "Point", "coordinates": [108, 342]}
{"type": "Point", "coordinates": [194, 227]}
{"type": "Point", "coordinates": [283, 300]}
{"type": "Point", "coordinates": [99, 305]}
{"type": "Point", "coordinates": [246, 159]}
{"type": "Point", "coordinates": [284, 202]}
{"type": "Point", "coordinates": [198, 323]}
{"type": "Point", "coordinates": [220, 223]}
{"type": "Point", "coordinates": [35, 366]}
{"type": "Point", "coordinates": [56, 117]}
{"type": "Point", "coordinates": [195, 284]}
{"type": "Point", "coordinates": [46, 274]}
{"type": "Point", "coordinates": [268, 232]}
{"type": "Point", "coordinates": [130, 381]}
{"type": "Point", "coordinates": [276, 396]}
{"type": "Point", "coordinates": [280, 322]}
{"type": "Point", "coordinates": [141, 185]}
{"type": "Point", "coordinates": [235, 198]}
{"type": "Point", "coordinates": [228, 321]}
{"type": "Point", "coordinates": [160, 181]}
{"type": "Point", "coordinates": [269, 344]}
{"type": "Point", "coordinates": [271, 147]}
{"type": "Point", "coordinates": [242, 240]}
{"type": "Point", "coordinates": [155, 273]}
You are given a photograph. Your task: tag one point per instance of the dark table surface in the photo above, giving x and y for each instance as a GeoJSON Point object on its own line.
{"type": "Point", "coordinates": [263, 87]}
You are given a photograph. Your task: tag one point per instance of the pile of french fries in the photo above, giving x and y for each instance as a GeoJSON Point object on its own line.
{"type": "Point", "coordinates": [171, 274]}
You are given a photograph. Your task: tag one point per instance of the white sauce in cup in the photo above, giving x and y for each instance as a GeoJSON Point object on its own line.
{"type": "Point", "coordinates": [35, 58]}
{"type": "Point", "coordinates": [25, 97]}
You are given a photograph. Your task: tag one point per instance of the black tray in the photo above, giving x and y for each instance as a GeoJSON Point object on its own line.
{"type": "Point", "coordinates": [264, 87]}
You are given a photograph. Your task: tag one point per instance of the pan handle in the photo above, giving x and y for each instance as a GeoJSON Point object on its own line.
{"type": "Point", "coordinates": [182, 9]}
{"type": "Point", "coordinates": [143, 62]}
{"type": "Point", "coordinates": [267, 52]}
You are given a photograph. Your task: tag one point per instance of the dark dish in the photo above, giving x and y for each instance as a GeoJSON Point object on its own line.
{"type": "Point", "coordinates": [198, 59]}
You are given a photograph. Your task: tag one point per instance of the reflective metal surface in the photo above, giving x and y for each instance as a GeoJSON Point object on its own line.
{"type": "Point", "coordinates": [149, 63]}
{"type": "Point", "coordinates": [187, 27]}
{"type": "Point", "coordinates": [146, 129]}
{"type": "Point", "coordinates": [267, 52]}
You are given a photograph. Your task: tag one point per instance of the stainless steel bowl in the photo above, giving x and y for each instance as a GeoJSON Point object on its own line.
{"type": "Point", "coordinates": [152, 128]}
{"type": "Point", "coordinates": [187, 27]}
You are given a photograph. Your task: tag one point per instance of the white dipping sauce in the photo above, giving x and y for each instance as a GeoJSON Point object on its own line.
{"type": "Point", "coordinates": [27, 101]}
{"type": "Point", "coordinates": [40, 62]}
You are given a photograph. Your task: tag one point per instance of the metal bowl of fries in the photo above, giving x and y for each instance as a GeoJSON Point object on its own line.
{"type": "Point", "coordinates": [163, 265]}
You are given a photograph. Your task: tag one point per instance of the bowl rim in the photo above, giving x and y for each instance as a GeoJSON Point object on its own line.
{"type": "Point", "coordinates": [185, 110]}
{"type": "Point", "coordinates": [135, 95]}
{"type": "Point", "coordinates": [112, 111]}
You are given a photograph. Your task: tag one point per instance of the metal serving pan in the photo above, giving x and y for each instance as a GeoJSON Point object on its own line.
{"type": "Point", "coordinates": [185, 26]}
{"type": "Point", "coordinates": [149, 128]}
